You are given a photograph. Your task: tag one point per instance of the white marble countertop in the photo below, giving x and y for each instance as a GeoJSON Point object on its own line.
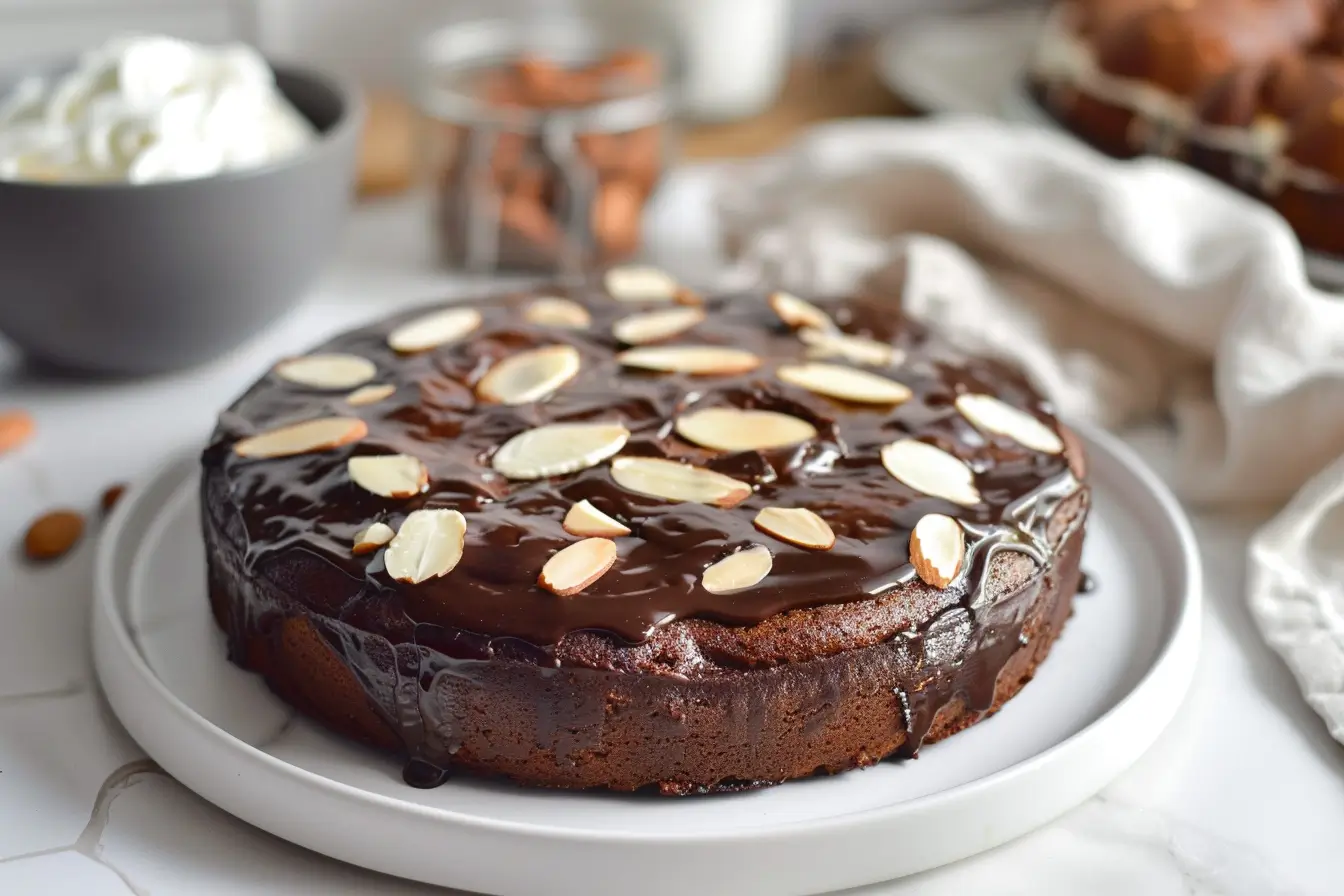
{"type": "Point", "coordinates": [1244, 794]}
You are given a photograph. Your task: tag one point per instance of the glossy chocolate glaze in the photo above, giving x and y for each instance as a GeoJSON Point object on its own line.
{"type": "Point", "coordinates": [294, 519]}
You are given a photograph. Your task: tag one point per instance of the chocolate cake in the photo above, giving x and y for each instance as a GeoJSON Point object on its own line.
{"type": "Point", "coordinates": [626, 536]}
{"type": "Point", "coordinates": [1250, 91]}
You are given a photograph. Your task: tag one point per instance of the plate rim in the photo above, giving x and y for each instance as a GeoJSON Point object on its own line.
{"type": "Point", "coordinates": [1171, 669]}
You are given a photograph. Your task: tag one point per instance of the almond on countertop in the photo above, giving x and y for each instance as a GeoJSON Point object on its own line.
{"type": "Point", "coordinates": [52, 535]}
{"type": "Point", "coordinates": [16, 428]}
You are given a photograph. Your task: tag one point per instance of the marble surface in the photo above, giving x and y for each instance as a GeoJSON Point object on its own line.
{"type": "Point", "coordinates": [1244, 794]}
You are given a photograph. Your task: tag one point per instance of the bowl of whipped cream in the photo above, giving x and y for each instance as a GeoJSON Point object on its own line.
{"type": "Point", "coordinates": [162, 201]}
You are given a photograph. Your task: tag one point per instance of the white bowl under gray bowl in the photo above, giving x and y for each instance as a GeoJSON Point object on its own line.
{"type": "Point", "coordinates": [131, 279]}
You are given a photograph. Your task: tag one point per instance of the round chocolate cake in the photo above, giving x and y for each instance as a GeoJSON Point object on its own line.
{"type": "Point", "coordinates": [627, 536]}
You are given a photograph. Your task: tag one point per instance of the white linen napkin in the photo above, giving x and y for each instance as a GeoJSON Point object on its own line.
{"type": "Point", "coordinates": [1127, 290]}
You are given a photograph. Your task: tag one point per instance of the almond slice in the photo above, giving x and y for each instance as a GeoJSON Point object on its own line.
{"type": "Point", "coordinates": [937, 548]}
{"type": "Point", "coordinates": [389, 475]}
{"type": "Point", "coordinates": [434, 329]}
{"type": "Point", "coordinates": [796, 525]}
{"type": "Point", "coordinates": [739, 571]}
{"type": "Point", "coordinates": [641, 283]}
{"type": "Point", "coordinates": [428, 545]}
{"type": "Point", "coordinates": [327, 371]}
{"type": "Point", "coordinates": [931, 470]}
{"type": "Point", "coordinates": [855, 349]}
{"type": "Point", "coordinates": [558, 448]}
{"type": "Point", "coordinates": [529, 376]}
{"type": "Point", "coordinates": [572, 569]}
{"type": "Point", "coordinates": [845, 383]}
{"type": "Point", "coordinates": [736, 429]}
{"type": "Point", "coordinates": [372, 537]}
{"type": "Point", "coordinates": [556, 312]}
{"type": "Point", "coordinates": [655, 326]}
{"type": "Point", "coordinates": [370, 394]}
{"type": "Point", "coordinates": [585, 520]}
{"type": "Point", "coordinates": [992, 415]}
{"type": "Point", "coordinates": [797, 313]}
{"type": "Point", "coordinates": [302, 438]}
{"type": "Point", "coordinates": [696, 360]}
{"type": "Point", "coordinates": [674, 481]}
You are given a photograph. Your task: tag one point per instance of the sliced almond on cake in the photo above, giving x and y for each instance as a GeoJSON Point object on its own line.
{"type": "Point", "coordinates": [739, 571]}
{"type": "Point", "coordinates": [327, 371]}
{"type": "Point", "coordinates": [992, 415]}
{"type": "Point", "coordinates": [558, 448]}
{"type": "Point", "coordinates": [845, 383]}
{"type": "Point", "coordinates": [796, 525]}
{"type": "Point", "coordinates": [737, 429]}
{"type": "Point", "coordinates": [434, 329]}
{"type": "Point", "coordinates": [428, 545]}
{"type": "Point", "coordinates": [696, 360]}
{"type": "Point", "coordinates": [937, 549]}
{"type": "Point", "coordinates": [655, 326]}
{"type": "Point", "coordinates": [797, 313]}
{"type": "Point", "coordinates": [389, 475]}
{"type": "Point", "coordinates": [585, 520]}
{"type": "Point", "coordinates": [931, 470]}
{"type": "Point", "coordinates": [855, 349]}
{"type": "Point", "coordinates": [557, 312]}
{"type": "Point", "coordinates": [529, 376]}
{"type": "Point", "coordinates": [574, 568]}
{"type": "Point", "coordinates": [675, 481]}
{"type": "Point", "coordinates": [370, 394]}
{"type": "Point", "coordinates": [303, 438]}
{"type": "Point", "coordinates": [372, 537]}
{"type": "Point", "coordinates": [641, 283]}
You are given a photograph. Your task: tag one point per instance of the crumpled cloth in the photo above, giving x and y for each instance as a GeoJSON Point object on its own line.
{"type": "Point", "coordinates": [1127, 290]}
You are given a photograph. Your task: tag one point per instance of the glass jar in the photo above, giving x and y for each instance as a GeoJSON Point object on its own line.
{"type": "Point", "coordinates": [547, 137]}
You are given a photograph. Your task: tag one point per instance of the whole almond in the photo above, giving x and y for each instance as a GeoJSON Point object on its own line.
{"type": "Point", "coordinates": [16, 427]}
{"type": "Point", "coordinates": [52, 535]}
{"type": "Point", "coordinates": [111, 495]}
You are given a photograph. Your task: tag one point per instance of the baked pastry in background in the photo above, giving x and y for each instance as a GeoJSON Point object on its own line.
{"type": "Point", "coordinates": [1249, 91]}
{"type": "Point", "coordinates": [630, 537]}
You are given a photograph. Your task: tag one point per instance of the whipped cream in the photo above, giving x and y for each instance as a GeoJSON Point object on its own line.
{"type": "Point", "coordinates": [145, 109]}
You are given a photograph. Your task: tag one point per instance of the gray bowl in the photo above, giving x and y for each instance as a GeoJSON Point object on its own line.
{"type": "Point", "coordinates": [123, 279]}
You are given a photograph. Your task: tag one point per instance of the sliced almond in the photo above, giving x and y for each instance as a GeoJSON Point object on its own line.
{"type": "Point", "coordinates": [585, 520]}
{"type": "Point", "coordinates": [855, 349]}
{"type": "Point", "coordinates": [556, 312]}
{"type": "Point", "coordinates": [574, 568]}
{"type": "Point", "coordinates": [372, 537]}
{"type": "Point", "coordinates": [434, 329]}
{"type": "Point", "coordinates": [736, 429]}
{"type": "Point", "coordinates": [798, 313]}
{"type": "Point", "coordinates": [992, 415]}
{"type": "Point", "coordinates": [674, 481]}
{"type": "Point", "coordinates": [559, 448]}
{"type": "Point", "coordinates": [370, 394]}
{"type": "Point", "coordinates": [302, 438]}
{"type": "Point", "coordinates": [696, 360]}
{"type": "Point", "coordinates": [327, 371]}
{"type": "Point", "coordinates": [428, 545]}
{"type": "Point", "coordinates": [931, 470]}
{"type": "Point", "coordinates": [796, 525]}
{"type": "Point", "coordinates": [937, 549]}
{"type": "Point", "coordinates": [641, 283]}
{"type": "Point", "coordinates": [845, 383]}
{"type": "Point", "coordinates": [389, 475]}
{"type": "Point", "coordinates": [739, 571]}
{"type": "Point", "coordinates": [529, 376]}
{"type": "Point", "coordinates": [655, 326]}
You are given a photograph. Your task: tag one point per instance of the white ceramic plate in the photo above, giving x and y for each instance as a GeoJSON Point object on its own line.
{"type": "Point", "coordinates": [974, 64]}
{"type": "Point", "coordinates": [1112, 682]}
